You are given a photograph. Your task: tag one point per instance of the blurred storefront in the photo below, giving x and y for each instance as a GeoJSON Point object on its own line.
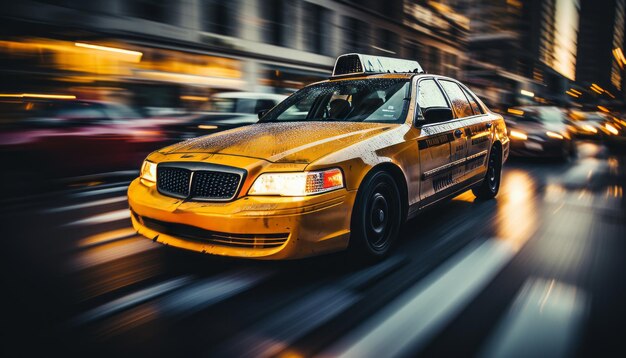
{"type": "Point", "coordinates": [169, 55]}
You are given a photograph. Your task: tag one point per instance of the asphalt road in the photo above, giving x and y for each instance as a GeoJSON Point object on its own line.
{"type": "Point", "coordinates": [539, 271]}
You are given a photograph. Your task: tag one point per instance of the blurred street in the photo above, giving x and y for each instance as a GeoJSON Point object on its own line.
{"type": "Point", "coordinates": [540, 266]}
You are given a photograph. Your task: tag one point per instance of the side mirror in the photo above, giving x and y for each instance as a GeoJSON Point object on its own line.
{"type": "Point", "coordinates": [437, 114]}
{"type": "Point", "coordinates": [262, 113]}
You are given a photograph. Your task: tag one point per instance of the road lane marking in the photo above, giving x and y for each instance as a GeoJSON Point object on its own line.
{"type": "Point", "coordinates": [111, 216]}
{"type": "Point", "coordinates": [106, 237]}
{"type": "Point", "coordinates": [209, 291]}
{"type": "Point", "coordinates": [545, 320]}
{"type": "Point", "coordinates": [409, 322]}
{"type": "Point", "coordinates": [557, 209]}
{"type": "Point", "coordinates": [95, 192]}
{"type": "Point", "coordinates": [131, 300]}
{"type": "Point", "coordinates": [271, 336]}
{"type": "Point", "coordinates": [113, 200]}
{"type": "Point", "coordinates": [112, 251]}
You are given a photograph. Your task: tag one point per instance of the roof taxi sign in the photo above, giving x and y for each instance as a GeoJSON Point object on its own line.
{"type": "Point", "coordinates": [355, 63]}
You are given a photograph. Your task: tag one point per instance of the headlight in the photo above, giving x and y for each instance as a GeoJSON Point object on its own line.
{"type": "Point", "coordinates": [611, 129]}
{"type": "Point", "coordinates": [148, 171]}
{"type": "Point", "coordinates": [554, 135]}
{"type": "Point", "coordinates": [518, 135]}
{"type": "Point", "coordinates": [297, 184]}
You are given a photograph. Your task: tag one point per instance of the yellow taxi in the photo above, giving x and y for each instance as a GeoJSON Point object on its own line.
{"type": "Point", "coordinates": [340, 164]}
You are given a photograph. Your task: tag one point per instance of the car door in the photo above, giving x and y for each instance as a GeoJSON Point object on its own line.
{"type": "Point", "coordinates": [479, 139]}
{"type": "Point", "coordinates": [435, 143]}
{"type": "Point", "coordinates": [476, 133]}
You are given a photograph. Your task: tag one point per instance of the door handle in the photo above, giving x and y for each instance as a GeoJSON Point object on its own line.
{"type": "Point", "coordinates": [489, 125]}
{"type": "Point", "coordinates": [457, 133]}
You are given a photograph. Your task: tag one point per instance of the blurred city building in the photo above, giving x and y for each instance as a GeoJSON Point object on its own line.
{"type": "Point", "coordinates": [169, 55]}
{"type": "Point", "coordinates": [516, 54]}
{"type": "Point", "coordinates": [600, 48]}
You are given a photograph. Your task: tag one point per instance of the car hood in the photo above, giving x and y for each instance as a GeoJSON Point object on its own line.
{"type": "Point", "coordinates": [294, 142]}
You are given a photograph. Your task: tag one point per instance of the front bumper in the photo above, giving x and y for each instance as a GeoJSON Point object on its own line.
{"type": "Point", "coordinates": [262, 227]}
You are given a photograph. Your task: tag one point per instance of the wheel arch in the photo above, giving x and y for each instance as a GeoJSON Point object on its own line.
{"type": "Point", "coordinates": [398, 176]}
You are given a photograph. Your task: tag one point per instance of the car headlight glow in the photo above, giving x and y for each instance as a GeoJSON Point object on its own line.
{"type": "Point", "coordinates": [611, 129]}
{"type": "Point", "coordinates": [589, 128]}
{"type": "Point", "coordinates": [297, 184]}
{"type": "Point", "coordinates": [148, 172]}
{"type": "Point", "coordinates": [518, 135]}
{"type": "Point", "coordinates": [554, 135]}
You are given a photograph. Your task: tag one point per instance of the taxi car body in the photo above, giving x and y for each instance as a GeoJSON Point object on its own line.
{"type": "Point", "coordinates": [340, 164]}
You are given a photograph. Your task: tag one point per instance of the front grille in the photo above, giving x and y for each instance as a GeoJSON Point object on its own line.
{"type": "Point", "coordinates": [252, 241]}
{"type": "Point", "coordinates": [214, 185]}
{"type": "Point", "coordinates": [199, 181]}
{"type": "Point", "coordinates": [174, 181]}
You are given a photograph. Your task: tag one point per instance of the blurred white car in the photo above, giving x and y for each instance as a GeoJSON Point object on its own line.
{"type": "Point", "coordinates": [225, 111]}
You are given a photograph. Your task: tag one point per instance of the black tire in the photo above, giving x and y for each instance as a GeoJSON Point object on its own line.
{"type": "Point", "coordinates": [489, 188]}
{"type": "Point", "coordinates": [376, 217]}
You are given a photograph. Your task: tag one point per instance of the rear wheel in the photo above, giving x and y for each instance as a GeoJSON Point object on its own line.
{"type": "Point", "coordinates": [491, 185]}
{"type": "Point", "coordinates": [376, 217]}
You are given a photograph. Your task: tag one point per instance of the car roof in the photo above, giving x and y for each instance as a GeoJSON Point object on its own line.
{"type": "Point", "coordinates": [360, 76]}
{"type": "Point", "coordinates": [251, 95]}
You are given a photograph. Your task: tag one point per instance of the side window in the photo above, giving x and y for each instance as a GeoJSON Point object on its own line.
{"type": "Point", "coordinates": [472, 100]}
{"type": "Point", "coordinates": [429, 95]}
{"type": "Point", "coordinates": [460, 103]}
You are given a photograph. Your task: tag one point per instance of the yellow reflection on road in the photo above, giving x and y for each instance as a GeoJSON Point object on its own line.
{"type": "Point", "coordinates": [517, 209]}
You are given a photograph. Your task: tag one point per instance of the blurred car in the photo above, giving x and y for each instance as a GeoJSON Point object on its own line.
{"type": "Point", "coordinates": [225, 111]}
{"type": "Point", "coordinates": [539, 131]}
{"type": "Point", "coordinates": [340, 164]}
{"type": "Point", "coordinates": [63, 138]}
{"type": "Point", "coordinates": [597, 125]}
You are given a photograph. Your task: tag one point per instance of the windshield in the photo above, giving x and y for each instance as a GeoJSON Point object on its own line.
{"type": "Point", "coordinates": [371, 100]}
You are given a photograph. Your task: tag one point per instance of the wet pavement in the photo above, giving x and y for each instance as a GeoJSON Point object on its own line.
{"type": "Point", "coordinates": [537, 271]}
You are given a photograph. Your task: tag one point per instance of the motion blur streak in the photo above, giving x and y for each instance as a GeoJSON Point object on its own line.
{"type": "Point", "coordinates": [269, 338]}
{"type": "Point", "coordinates": [131, 300]}
{"type": "Point", "coordinates": [409, 322]}
{"type": "Point", "coordinates": [110, 49]}
{"type": "Point", "coordinates": [210, 291]}
{"type": "Point", "coordinates": [106, 237]}
{"type": "Point", "coordinates": [112, 251]}
{"type": "Point", "coordinates": [545, 320]}
{"type": "Point", "coordinates": [88, 204]}
{"type": "Point", "coordinates": [103, 218]}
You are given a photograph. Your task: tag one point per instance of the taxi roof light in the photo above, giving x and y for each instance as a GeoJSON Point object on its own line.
{"type": "Point", "coordinates": [355, 63]}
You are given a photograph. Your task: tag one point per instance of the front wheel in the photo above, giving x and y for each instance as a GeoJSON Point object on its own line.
{"type": "Point", "coordinates": [489, 188]}
{"type": "Point", "coordinates": [376, 217]}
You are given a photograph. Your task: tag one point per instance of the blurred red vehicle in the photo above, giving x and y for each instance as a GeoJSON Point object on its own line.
{"type": "Point", "coordinates": [65, 138]}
